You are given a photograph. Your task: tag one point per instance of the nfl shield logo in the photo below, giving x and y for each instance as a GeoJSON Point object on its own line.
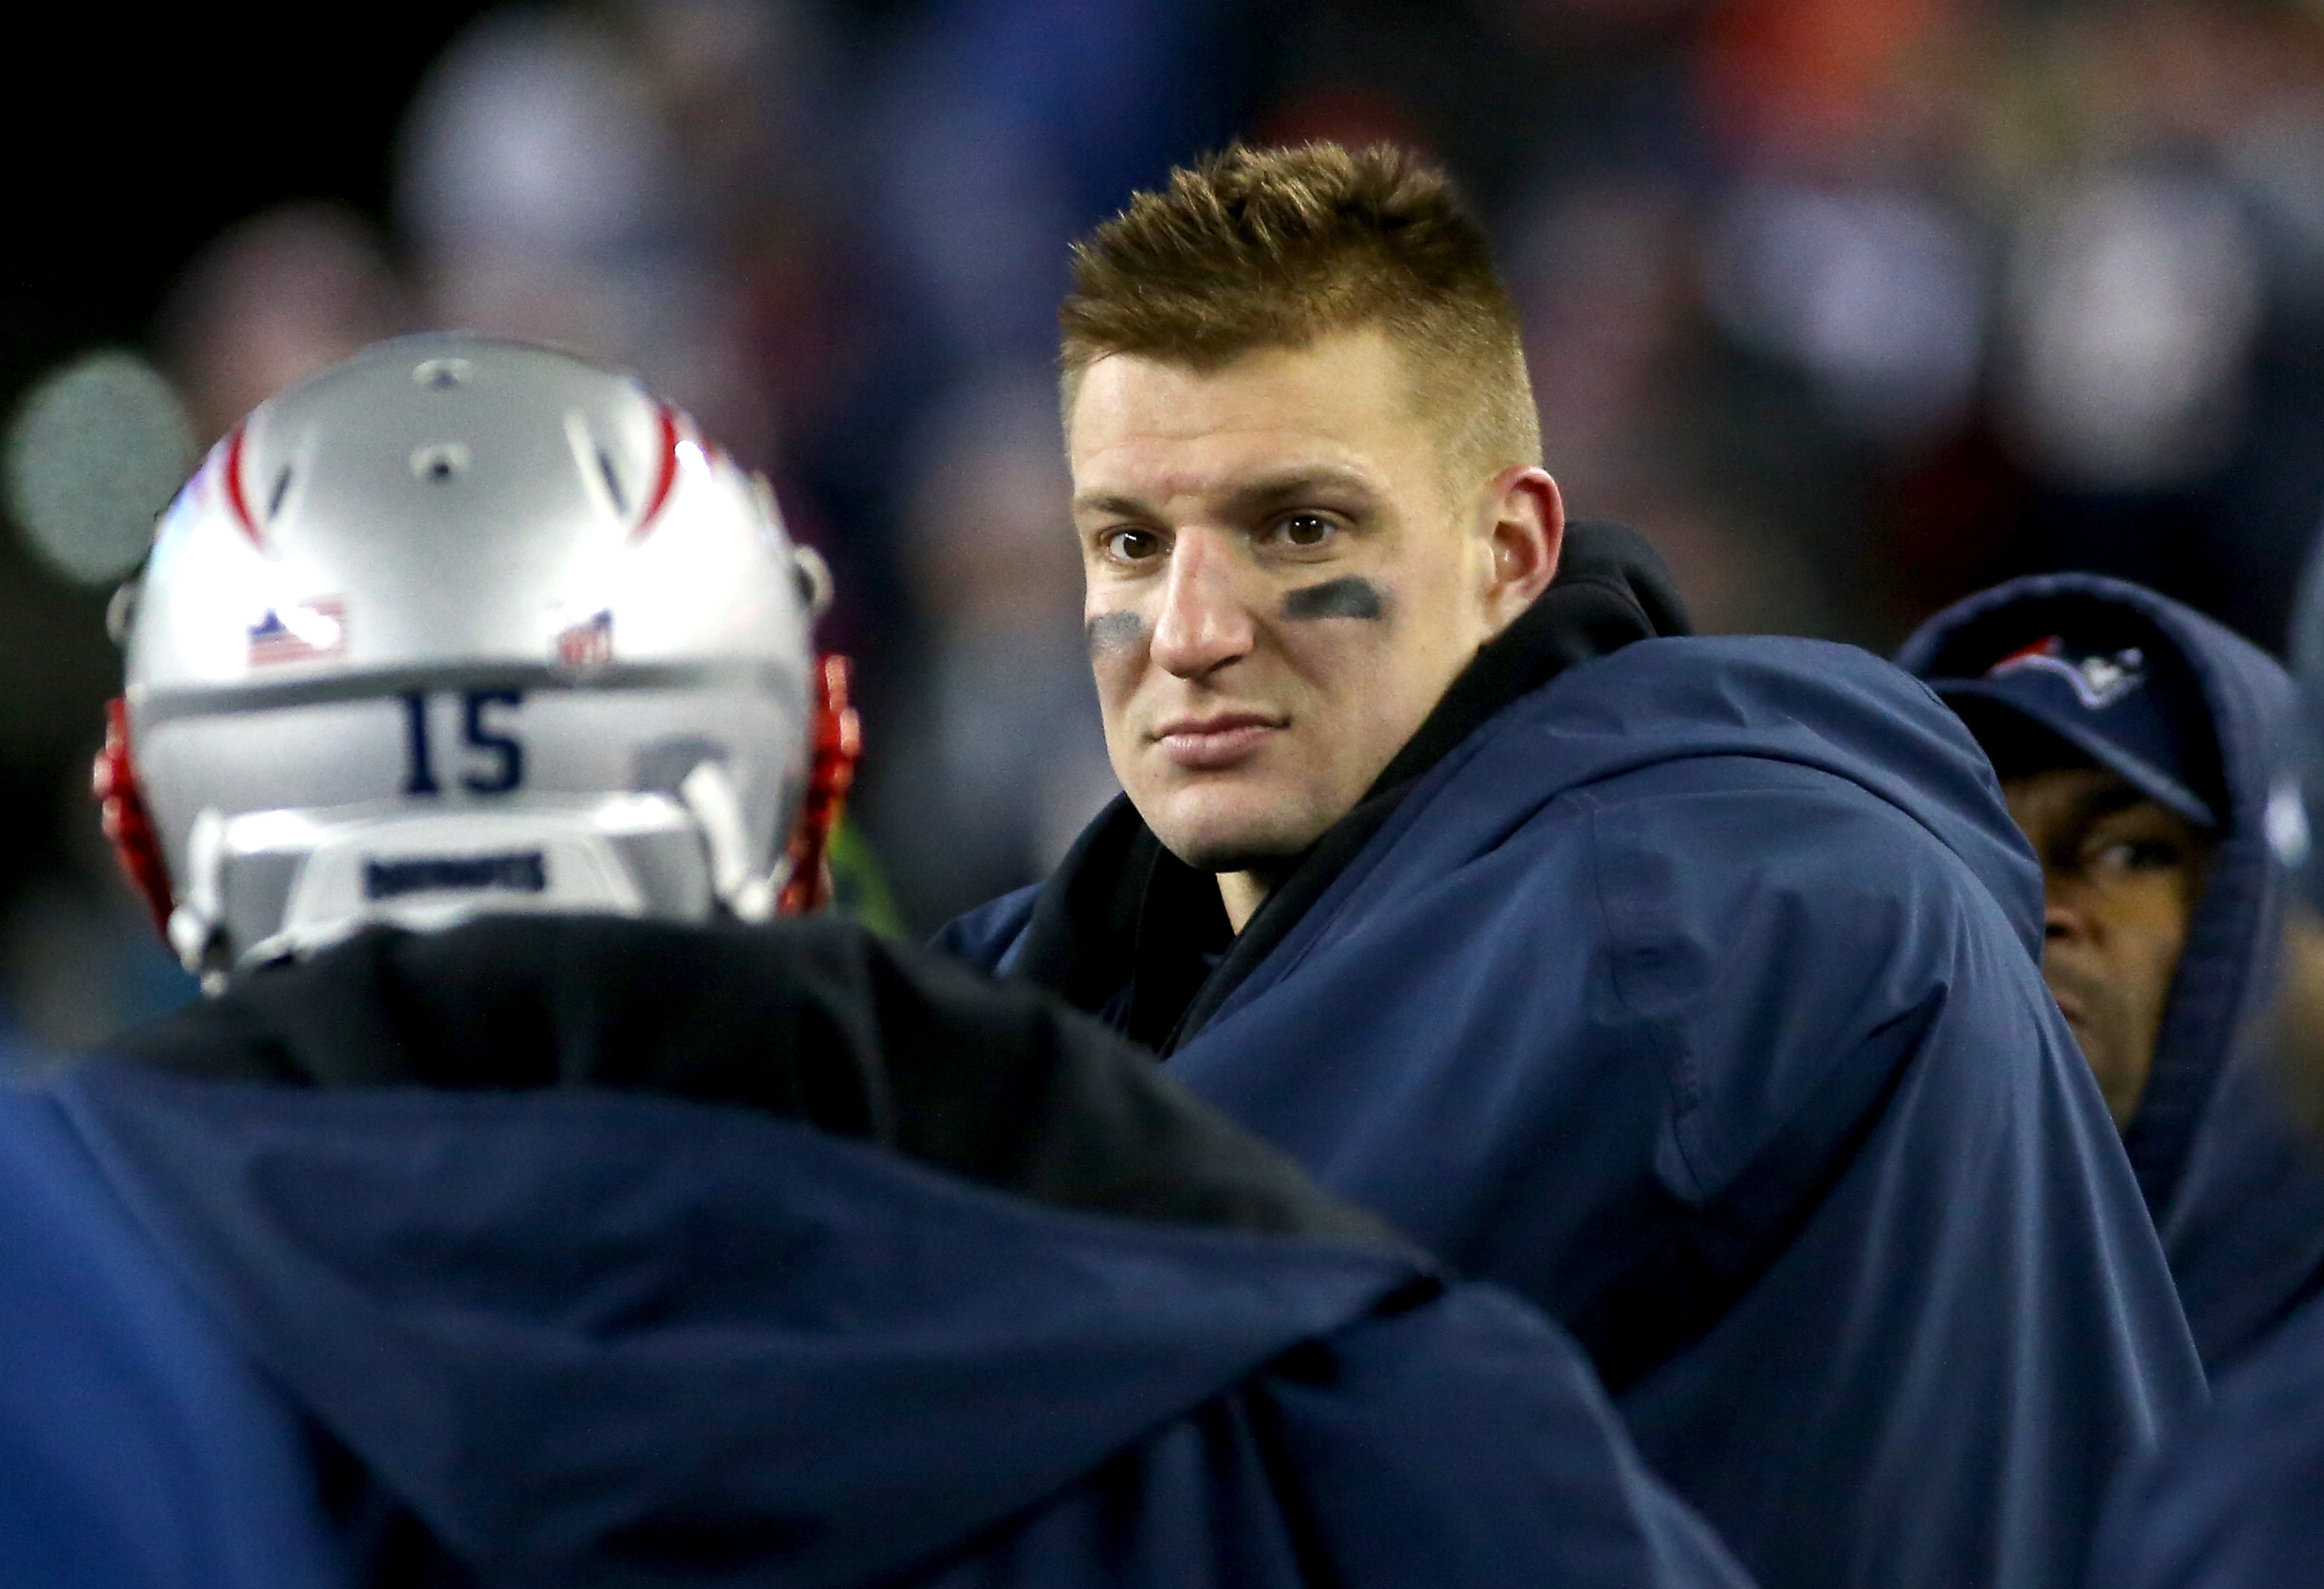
{"type": "Point", "coordinates": [589, 643]}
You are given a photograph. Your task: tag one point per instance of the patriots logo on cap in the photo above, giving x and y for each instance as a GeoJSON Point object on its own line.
{"type": "Point", "coordinates": [299, 632]}
{"type": "Point", "coordinates": [2099, 679]}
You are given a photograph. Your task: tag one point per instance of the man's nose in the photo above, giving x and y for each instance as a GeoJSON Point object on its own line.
{"type": "Point", "coordinates": [1206, 621]}
{"type": "Point", "coordinates": [2063, 920]}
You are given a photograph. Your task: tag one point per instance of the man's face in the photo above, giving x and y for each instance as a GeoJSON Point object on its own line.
{"type": "Point", "coordinates": [2120, 876]}
{"type": "Point", "coordinates": [1282, 582]}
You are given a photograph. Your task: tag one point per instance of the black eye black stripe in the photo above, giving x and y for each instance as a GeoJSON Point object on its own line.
{"type": "Point", "coordinates": [1109, 632]}
{"type": "Point", "coordinates": [1350, 598]}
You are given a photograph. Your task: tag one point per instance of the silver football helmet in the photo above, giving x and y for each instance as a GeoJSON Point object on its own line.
{"type": "Point", "coordinates": [460, 626]}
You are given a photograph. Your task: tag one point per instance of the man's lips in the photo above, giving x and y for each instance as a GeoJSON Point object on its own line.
{"type": "Point", "coordinates": [2069, 1000]}
{"type": "Point", "coordinates": [1222, 740]}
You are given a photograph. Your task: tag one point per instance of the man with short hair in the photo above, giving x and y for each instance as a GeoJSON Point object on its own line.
{"type": "Point", "coordinates": [1686, 986]}
{"type": "Point", "coordinates": [2138, 746]}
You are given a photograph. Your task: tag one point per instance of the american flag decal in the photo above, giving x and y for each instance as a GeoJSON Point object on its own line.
{"type": "Point", "coordinates": [301, 632]}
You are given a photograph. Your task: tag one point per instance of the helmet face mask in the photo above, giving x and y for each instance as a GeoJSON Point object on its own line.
{"type": "Point", "coordinates": [461, 625]}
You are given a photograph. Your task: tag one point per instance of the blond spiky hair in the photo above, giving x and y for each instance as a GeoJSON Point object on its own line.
{"type": "Point", "coordinates": [1274, 248]}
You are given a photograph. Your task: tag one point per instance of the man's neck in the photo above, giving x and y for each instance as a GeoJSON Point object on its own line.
{"type": "Point", "coordinates": [1244, 892]}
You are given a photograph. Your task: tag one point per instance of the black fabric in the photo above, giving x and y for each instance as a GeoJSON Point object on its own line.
{"type": "Point", "coordinates": [1125, 929]}
{"type": "Point", "coordinates": [388, 1544]}
{"type": "Point", "coordinates": [1120, 903]}
{"type": "Point", "coordinates": [816, 1021]}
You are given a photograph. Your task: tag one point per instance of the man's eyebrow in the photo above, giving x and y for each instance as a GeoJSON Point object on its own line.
{"type": "Point", "coordinates": [1250, 496]}
{"type": "Point", "coordinates": [1300, 485]}
{"type": "Point", "coordinates": [1120, 507]}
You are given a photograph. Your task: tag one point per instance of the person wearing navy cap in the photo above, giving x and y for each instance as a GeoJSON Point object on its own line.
{"type": "Point", "coordinates": [2095, 736]}
{"type": "Point", "coordinates": [2139, 748]}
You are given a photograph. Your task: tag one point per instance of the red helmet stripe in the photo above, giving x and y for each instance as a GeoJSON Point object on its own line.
{"type": "Point", "coordinates": [231, 468]}
{"type": "Point", "coordinates": [662, 482]}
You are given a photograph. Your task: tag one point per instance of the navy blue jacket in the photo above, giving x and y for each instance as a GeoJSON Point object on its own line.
{"type": "Point", "coordinates": [554, 1234]}
{"type": "Point", "coordinates": [2233, 1503]}
{"type": "Point", "coordinates": [137, 1448]}
{"type": "Point", "coordinates": [2235, 1189]}
{"type": "Point", "coordinates": [1694, 996]}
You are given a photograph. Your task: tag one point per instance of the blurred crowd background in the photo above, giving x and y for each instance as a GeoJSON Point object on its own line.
{"type": "Point", "coordinates": [1852, 306]}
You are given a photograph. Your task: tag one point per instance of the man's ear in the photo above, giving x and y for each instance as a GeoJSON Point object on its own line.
{"type": "Point", "coordinates": [1526, 524]}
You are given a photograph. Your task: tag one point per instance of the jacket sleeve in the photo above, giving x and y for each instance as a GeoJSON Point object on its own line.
{"type": "Point", "coordinates": [1901, 1226]}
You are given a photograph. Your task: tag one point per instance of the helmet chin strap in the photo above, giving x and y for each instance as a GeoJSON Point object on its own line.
{"type": "Point", "coordinates": [192, 928]}
{"type": "Point", "coordinates": [710, 797]}
{"type": "Point", "coordinates": [838, 744]}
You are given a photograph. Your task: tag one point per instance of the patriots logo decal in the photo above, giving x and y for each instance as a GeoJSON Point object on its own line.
{"type": "Point", "coordinates": [2098, 681]}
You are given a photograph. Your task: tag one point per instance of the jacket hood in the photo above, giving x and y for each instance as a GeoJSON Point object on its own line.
{"type": "Point", "coordinates": [598, 1334]}
{"type": "Point", "coordinates": [596, 1337]}
{"type": "Point", "coordinates": [2229, 1183]}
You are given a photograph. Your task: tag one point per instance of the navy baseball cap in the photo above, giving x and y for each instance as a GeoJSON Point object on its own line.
{"type": "Point", "coordinates": [2109, 704]}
